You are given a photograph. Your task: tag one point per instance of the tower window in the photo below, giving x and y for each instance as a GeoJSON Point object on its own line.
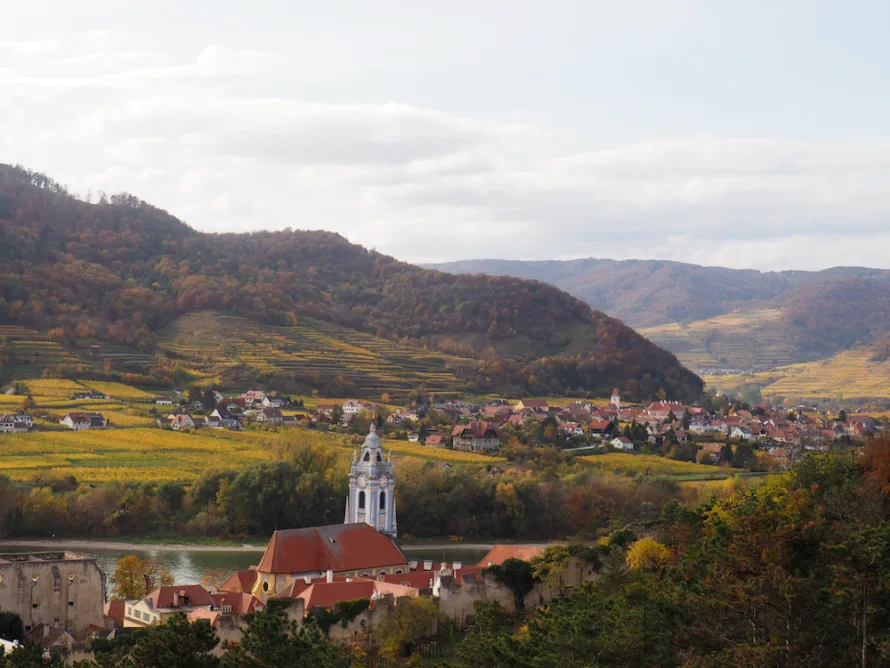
{"type": "Point", "coordinates": [382, 500]}
{"type": "Point", "coordinates": [379, 458]}
{"type": "Point", "coordinates": [367, 457]}
{"type": "Point", "coordinates": [361, 500]}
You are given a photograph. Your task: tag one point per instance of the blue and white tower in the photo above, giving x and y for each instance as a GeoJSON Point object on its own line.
{"type": "Point", "coordinates": [372, 487]}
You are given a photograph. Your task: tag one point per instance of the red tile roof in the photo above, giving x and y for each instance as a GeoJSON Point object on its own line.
{"type": "Point", "coordinates": [338, 547]}
{"type": "Point", "coordinates": [240, 582]}
{"type": "Point", "coordinates": [241, 604]}
{"type": "Point", "coordinates": [189, 596]}
{"type": "Point", "coordinates": [328, 594]}
{"type": "Point", "coordinates": [115, 609]}
{"type": "Point", "coordinates": [211, 616]}
{"type": "Point", "coordinates": [478, 428]}
{"type": "Point", "coordinates": [500, 553]}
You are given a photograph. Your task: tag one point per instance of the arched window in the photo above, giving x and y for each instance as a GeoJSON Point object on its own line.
{"type": "Point", "coordinates": [361, 500]}
{"type": "Point", "coordinates": [367, 457]}
{"type": "Point", "coordinates": [379, 458]}
{"type": "Point", "coordinates": [382, 500]}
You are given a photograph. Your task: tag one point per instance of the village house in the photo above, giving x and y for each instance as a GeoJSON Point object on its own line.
{"type": "Point", "coordinates": [164, 602]}
{"type": "Point", "coordinates": [400, 416]}
{"type": "Point", "coordinates": [269, 416]}
{"type": "Point", "coordinates": [91, 395]}
{"type": "Point", "coordinates": [352, 407]}
{"type": "Point", "coordinates": [253, 397]}
{"type": "Point", "coordinates": [662, 410]}
{"type": "Point", "coordinates": [477, 436]}
{"type": "Point", "coordinates": [163, 401]}
{"type": "Point", "coordinates": [83, 421]}
{"type": "Point", "coordinates": [622, 443]}
{"type": "Point", "coordinates": [178, 421]}
{"type": "Point", "coordinates": [15, 424]}
{"type": "Point", "coordinates": [221, 418]}
{"type": "Point", "coordinates": [531, 404]}
{"type": "Point", "coordinates": [274, 401]}
{"type": "Point", "coordinates": [433, 441]}
{"type": "Point", "coordinates": [599, 427]}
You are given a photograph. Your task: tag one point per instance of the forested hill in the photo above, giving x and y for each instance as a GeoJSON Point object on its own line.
{"type": "Point", "coordinates": [120, 270]}
{"type": "Point", "coordinates": [644, 293]}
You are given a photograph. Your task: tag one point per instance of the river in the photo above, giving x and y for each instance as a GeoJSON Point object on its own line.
{"type": "Point", "coordinates": [189, 566]}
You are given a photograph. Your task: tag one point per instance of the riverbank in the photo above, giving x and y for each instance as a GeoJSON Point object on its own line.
{"type": "Point", "coordinates": [72, 545]}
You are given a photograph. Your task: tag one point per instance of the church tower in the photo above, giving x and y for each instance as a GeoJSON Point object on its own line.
{"type": "Point", "coordinates": [372, 487]}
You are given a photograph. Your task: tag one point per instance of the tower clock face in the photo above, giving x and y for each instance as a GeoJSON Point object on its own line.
{"type": "Point", "coordinates": [362, 480]}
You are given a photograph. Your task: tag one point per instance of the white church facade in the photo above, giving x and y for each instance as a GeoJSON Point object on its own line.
{"type": "Point", "coordinates": [372, 487]}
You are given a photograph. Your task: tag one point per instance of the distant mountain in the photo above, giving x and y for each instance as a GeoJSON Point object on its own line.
{"type": "Point", "coordinates": [122, 270]}
{"type": "Point", "coordinates": [643, 293]}
{"type": "Point", "coordinates": [715, 318]}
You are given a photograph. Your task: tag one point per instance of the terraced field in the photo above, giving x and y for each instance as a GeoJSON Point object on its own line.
{"type": "Point", "coordinates": [210, 341]}
{"type": "Point", "coordinates": [747, 340]}
{"type": "Point", "coordinates": [850, 375]}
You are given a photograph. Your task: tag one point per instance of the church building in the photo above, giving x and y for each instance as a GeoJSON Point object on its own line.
{"type": "Point", "coordinates": [372, 487]}
{"type": "Point", "coordinates": [362, 546]}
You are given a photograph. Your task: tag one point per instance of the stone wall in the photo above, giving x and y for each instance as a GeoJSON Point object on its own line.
{"type": "Point", "coordinates": [57, 589]}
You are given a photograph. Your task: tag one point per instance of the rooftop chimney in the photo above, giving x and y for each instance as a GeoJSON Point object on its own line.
{"type": "Point", "coordinates": [427, 565]}
{"type": "Point", "coordinates": [457, 565]}
{"type": "Point", "coordinates": [329, 577]}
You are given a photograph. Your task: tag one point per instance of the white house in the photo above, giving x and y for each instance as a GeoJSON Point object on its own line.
{"type": "Point", "coordinates": [163, 401]}
{"type": "Point", "coordinates": [270, 416]}
{"type": "Point", "coordinates": [274, 401]}
{"type": "Point", "coordinates": [15, 424]}
{"type": "Point", "coordinates": [77, 421]}
{"type": "Point", "coordinates": [352, 407]}
{"type": "Point", "coordinates": [740, 432]}
{"type": "Point", "coordinates": [622, 443]}
{"type": "Point", "coordinates": [253, 397]}
{"type": "Point", "coordinates": [181, 421]}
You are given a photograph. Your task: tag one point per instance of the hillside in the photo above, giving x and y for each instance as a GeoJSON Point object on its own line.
{"type": "Point", "coordinates": [719, 320]}
{"type": "Point", "coordinates": [121, 271]}
{"type": "Point", "coordinates": [645, 293]}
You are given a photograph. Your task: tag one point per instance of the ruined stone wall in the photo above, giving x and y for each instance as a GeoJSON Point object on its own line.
{"type": "Point", "coordinates": [62, 593]}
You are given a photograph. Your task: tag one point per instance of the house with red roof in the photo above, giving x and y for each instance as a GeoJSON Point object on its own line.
{"type": "Point", "coordinates": [164, 602]}
{"type": "Point", "coordinates": [478, 436]}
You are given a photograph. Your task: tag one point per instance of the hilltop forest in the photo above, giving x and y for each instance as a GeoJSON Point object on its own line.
{"type": "Point", "coordinates": [119, 270]}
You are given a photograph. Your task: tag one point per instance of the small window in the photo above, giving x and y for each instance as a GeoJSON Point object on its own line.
{"type": "Point", "coordinates": [379, 457]}
{"type": "Point", "coordinates": [367, 457]}
{"type": "Point", "coordinates": [28, 628]}
{"type": "Point", "coordinates": [70, 604]}
{"type": "Point", "coordinates": [382, 500]}
{"type": "Point", "coordinates": [227, 608]}
{"type": "Point", "coordinates": [129, 612]}
{"type": "Point", "coordinates": [361, 500]}
{"type": "Point", "coordinates": [34, 605]}
{"type": "Point", "coordinates": [265, 586]}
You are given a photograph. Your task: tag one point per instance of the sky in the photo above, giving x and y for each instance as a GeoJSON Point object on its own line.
{"type": "Point", "coordinates": [741, 133]}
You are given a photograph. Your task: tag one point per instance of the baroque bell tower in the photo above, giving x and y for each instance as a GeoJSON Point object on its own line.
{"type": "Point", "coordinates": [372, 487]}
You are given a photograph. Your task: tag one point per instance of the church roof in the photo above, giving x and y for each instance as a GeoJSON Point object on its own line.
{"type": "Point", "coordinates": [338, 547]}
{"type": "Point", "coordinates": [372, 440]}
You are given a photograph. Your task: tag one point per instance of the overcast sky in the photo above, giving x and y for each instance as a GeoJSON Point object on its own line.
{"type": "Point", "coordinates": [742, 133]}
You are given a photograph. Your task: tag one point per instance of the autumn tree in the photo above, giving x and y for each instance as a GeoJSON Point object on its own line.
{"type": "Point", "coordinates": [135, 578]}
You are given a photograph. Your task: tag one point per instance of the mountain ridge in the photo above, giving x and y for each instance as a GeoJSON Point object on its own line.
{"type": "Point", "coordinates": [120, 270]}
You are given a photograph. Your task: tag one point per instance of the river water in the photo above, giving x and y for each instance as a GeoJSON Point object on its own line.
{"type": "Point", "coordinates": [190, 566]}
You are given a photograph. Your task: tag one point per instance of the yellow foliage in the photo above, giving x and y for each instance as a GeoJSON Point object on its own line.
{"type": "Point", "coordinates": [646, 554]}
{"type": "Point", "coordinates": [119, 390]}
{"type": "Point", "coordinates": [619, 462]}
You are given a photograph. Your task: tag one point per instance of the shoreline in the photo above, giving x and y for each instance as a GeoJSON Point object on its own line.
{"type": "Point", "coordinates": [74, 545]}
